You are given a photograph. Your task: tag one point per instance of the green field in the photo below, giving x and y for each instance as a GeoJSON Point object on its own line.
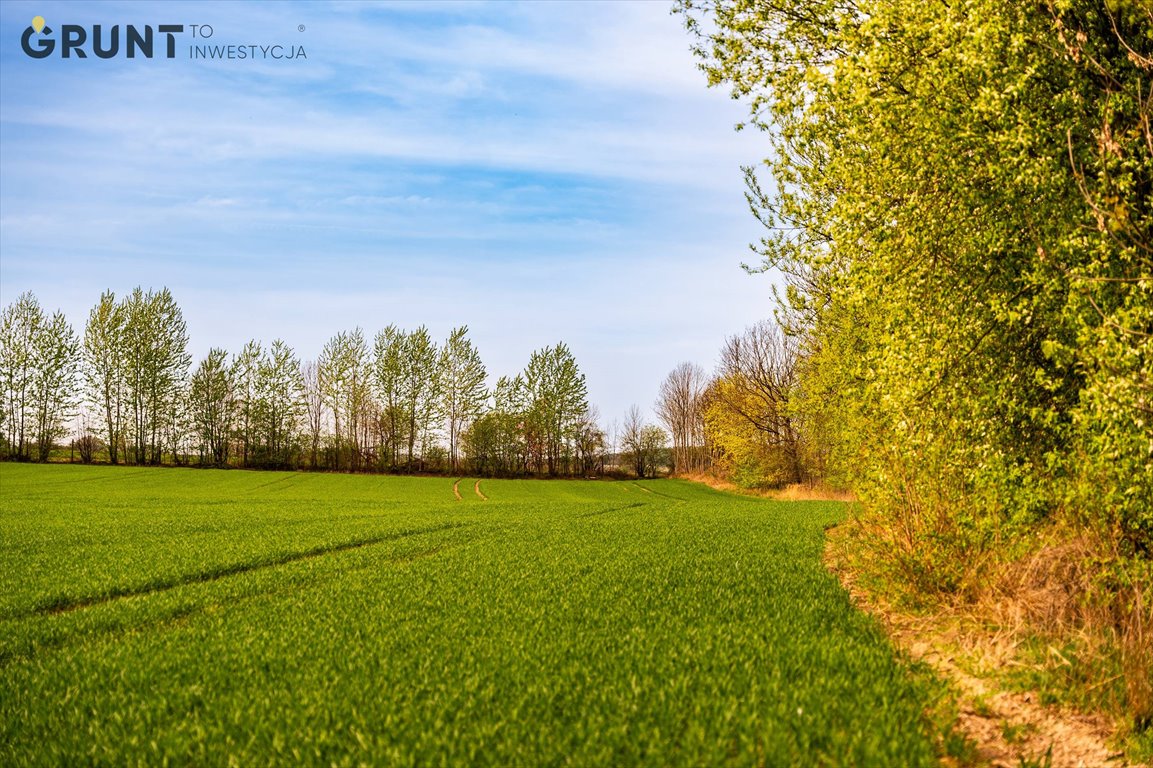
{"type": "Point", "coordinates": [216, 617]}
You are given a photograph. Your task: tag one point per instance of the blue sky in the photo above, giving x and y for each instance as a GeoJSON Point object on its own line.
{"type": "Point", "coordinates": [541, 172]}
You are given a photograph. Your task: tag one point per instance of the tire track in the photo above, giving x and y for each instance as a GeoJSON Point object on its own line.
{"type": "Point", "coordinates": [478, 492]}
{"type": "Point", "coordinates": [65, 604]}
{"type": "Point", "coordinates": [612, 509]}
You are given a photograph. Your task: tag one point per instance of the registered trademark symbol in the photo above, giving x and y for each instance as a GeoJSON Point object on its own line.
{"type": "Point", "coordinates": [300, 28]}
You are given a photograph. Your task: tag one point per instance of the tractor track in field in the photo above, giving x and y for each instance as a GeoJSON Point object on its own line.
{"type": "Point", "coordinates": [181, 614]}
{"type": "Point", "coordinates": [478, 491]}
{"type": "Point", "coordinates": [456, 490]}
{"type": "Point", "coordinates": [58, 605]}
{"type": "Point", "coordinates": [285, 482]}
{"type": "Point", "coordinates": [612, 509]}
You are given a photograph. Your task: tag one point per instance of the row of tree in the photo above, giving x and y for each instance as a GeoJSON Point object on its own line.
{"type": "Point", "coordinates": [397, 402]}
{"type": "Point", "coordinates": [961, 198]}
{"type": "Point", "coordinates": [742, 423]}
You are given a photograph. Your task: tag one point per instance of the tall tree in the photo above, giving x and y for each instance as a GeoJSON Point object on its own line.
{"type": "Point", "coordinates": [463, 390]}
{"type": "Point", "coordinates": [557, 398]}
{"type": "Point", "coordinates": [20, 327]}
{"type": "Point", "coordinates": [213, 407]}
{"type": "Point", "coordinates": [103, 365]}
{"type": "Point", "coordinates": [387, 377]}
{"type": "Point", "coordinates": [343, 374]}
{"type": "Point", "coordinates": [280, 398]}
{"type": "Point", "coordinates": [680, 408]}
{"type": "Point", "coordinates": [243, 378]}
{"type": "Point", "coordinates": [420, 388]}
{"type": "Point", "coordinates": [56, 356]}
{"type": "Point", "coordinates": [758, 377]}
{"type": "Point", "coordinates": [39, 357]}
{"type": "Point", "coordinates": [156, 362]}
{"type": "Point", "coordinates": [313, 409]}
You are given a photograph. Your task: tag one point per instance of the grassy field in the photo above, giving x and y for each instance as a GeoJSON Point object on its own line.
{"type": "Point", "coordinates": [214, 618]}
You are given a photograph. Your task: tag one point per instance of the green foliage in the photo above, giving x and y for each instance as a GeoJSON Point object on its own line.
{"type": "Point", "coordinates": [960, 195]}
{"type": "Point", "coordinates": [343, 380]}
{"type": "Point", "coordinates": [463, 387]}
{"type": "Point", "coordinates": [961, 203]}
{"type": "Point", "coordinates": [215, 617]}
{"type": "Point", "coordinates": [557, 399]}
{"type": "Point", "coordinates": [154, 353]}
{"type": "Point", "coordinates": [38, 368]}
{"type": "Point", "coordinates": [103, 366]}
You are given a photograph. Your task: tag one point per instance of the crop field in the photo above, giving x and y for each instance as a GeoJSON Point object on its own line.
{"type": "Point", "coordinates": [246, 618]}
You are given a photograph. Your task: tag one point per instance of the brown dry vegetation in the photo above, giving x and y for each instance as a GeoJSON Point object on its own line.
{"type": "Point", "coordinates": [794, 492]}
{"type": "Point", "coordinates": [1038, 621]}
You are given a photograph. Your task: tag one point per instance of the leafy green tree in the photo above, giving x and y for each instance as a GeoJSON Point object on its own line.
{"type": "Point", "coordinates": [462, 376]}
{"type": "Point", "coordinates": [387, 377]}
{"type": "Point", "coordinates": [959, 195]}
{"type": "Point", "coordinates": [956, 189]}
{"type": "Point", "coordinates": [343, 373]}
{"type": "Point", "coordinates": [38, 366]}
{"type": "Point", "coordinates": [55, 381]}
{"type": "Point", "coordinates": [280, 403]}
{"type": "Point", "coordinates": [103, 367]}
{"type": "Point", "coordinates": [156, 361]}
{"type": "Point", "coordinates": [20, 326]}
{"type": "Point", "coordinates": [419, 390]}
{"type": "Point", "coordinates": [557, 397]}
{"type": "Point", "coordinates": [496, 442]}
{"type": "Point", "coordinates": [213, 407]}
{"type": "Point", "coordinates": [243, 379]}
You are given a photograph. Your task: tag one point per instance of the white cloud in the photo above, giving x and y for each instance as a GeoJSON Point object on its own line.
{"type": "Point", "coordinates": [538, 171]}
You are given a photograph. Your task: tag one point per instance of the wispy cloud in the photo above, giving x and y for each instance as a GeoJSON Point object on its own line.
{"type": "Point", "coordinates": [540, 171]}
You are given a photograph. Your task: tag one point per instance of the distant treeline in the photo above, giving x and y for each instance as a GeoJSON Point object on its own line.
{"type": "Point", "coordinates": [742, 423]}
{"type": "Point", "coordinates": [126, 392]}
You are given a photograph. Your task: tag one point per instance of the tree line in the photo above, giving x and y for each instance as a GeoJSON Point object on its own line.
{"type": "Point", "coordinates": [742, 423]}
{"type": "Point", "coordinates": [396, 402]}
{"type": "Point", "coordinates": [961, 199]}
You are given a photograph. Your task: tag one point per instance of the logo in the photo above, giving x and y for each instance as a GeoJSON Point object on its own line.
{"type": "Point", "coordinates": [132, 41]}
{"type": "Point", "coordinates": [104, 43]}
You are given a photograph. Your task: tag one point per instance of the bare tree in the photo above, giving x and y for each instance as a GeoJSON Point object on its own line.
{"type": "Point", "coordinates": [679, 406]}
{"type": "Point", "coordinates": [760, 368]}
{"type": "Point", "coordinates": [642, 443]}
{"type": "Point", "coordinates": [591, 443]}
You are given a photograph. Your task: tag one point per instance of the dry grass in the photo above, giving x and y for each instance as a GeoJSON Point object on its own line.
{"type": "Point", "coordinates": [795, 492]}
{"type": "Point", "coordinates": [980, 643]}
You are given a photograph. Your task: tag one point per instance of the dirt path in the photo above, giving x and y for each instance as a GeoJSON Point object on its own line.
{"type": "Point", "coordinates": [456, 489]}
{"type": "Point", "coordinates": [477, 489]}
{"type": "Point", "coordinates": [1009, 729]}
